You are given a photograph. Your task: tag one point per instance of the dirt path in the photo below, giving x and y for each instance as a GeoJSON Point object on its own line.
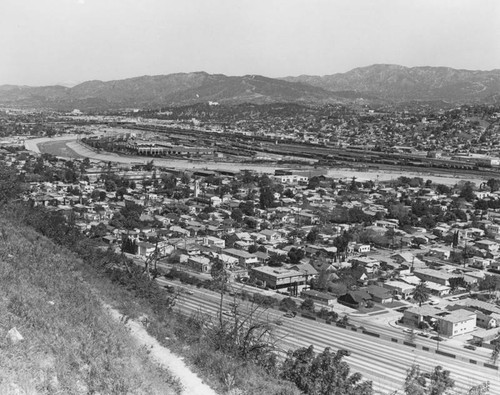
{"type": "Point", "coordinates": [192, 384]}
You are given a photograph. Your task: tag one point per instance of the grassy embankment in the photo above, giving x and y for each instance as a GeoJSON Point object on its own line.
{"type": "Point", "coordinates": [58, 270]}
{"type": "Point", "coordinates": [71, 344]}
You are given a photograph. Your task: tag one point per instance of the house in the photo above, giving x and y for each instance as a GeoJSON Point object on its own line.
{"type": "Point", "coordinates": [290, 178]}
{"type": "Point", "coordinates": [440, 253]}
{"type": "Point", "coordinates": [435, 276]}
{"type": "Point", "coordinates": [408, 259]}
{"type": "Point", "coordinates": [488, 245]}
{"type": "Point", "coordinates": [361, 248]}
{"type": "Point", "coordinates": [379, 294]}
{"type": "Point", "coordinates": [400, 288]}
{"type": "Point", "coordinates": [369, 264]}
{"type": "Point", "coordinates": [199, 263]}
{"type": "Point", "coordinates": [245, 258]}
{"type": "Point", "coordinates": [212, 241]}
{"type": "Point", "coordinates": [354, 299]}
{"type": "Point", "coordinates": [263, 257]}
{"type": "Point", "coordinates": [479, 263]}
{"type": "Point", "coordinates": [270, 235]}
{"type": "Point", "coordinates": [307, 218]}
{"type": "Point", "coordinates": [145, 249]}
{"type": "Point", "coordinates": [386, 224]}
{"type": "Point", "coordinates": [318, 297]}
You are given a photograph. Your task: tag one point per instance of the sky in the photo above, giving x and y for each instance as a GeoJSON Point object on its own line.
{"type": "Point", "coordinates": [46, 42]}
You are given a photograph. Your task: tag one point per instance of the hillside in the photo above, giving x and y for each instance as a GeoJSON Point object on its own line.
{"type": "Point", "coordinates": [71, 344]}
{"type": "Point", "coordinates": [372, 84]}
{"type": "Point", "coordinates": [165, 90]}
{"type": "Point", "coordinates": [398, 83]}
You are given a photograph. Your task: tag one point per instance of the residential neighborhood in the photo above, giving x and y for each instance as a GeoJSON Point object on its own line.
{"type": "Point", "coordinates": [347, 245]}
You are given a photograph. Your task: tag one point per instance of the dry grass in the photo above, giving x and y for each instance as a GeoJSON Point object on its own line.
{"type": "Point", "coordinates": [71, 345]}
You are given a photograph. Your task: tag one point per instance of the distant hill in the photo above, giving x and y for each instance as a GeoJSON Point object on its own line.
{"type": "Point", "coordinates": [377, 83]}
{"type": "Point", "coordinates": [166, 90]}
{"type": "Point", "coordinates": [398, 83]}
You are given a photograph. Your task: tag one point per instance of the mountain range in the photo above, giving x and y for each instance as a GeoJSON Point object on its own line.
{"type": "Point", "coordinates": [377, 83]}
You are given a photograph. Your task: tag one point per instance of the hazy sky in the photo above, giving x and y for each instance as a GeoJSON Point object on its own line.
{"type": "Point", "coordinates": [53, 41]}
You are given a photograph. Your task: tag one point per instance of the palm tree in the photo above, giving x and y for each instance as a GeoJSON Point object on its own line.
{"type": "Point", "coordinates": [421, 293]}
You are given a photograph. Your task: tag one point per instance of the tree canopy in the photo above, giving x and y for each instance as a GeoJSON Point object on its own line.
{"type": "Point", "coordinates": [325, 373]}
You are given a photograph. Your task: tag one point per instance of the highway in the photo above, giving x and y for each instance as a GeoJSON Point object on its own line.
{"type": "Point", "coordinates": [382, 360]}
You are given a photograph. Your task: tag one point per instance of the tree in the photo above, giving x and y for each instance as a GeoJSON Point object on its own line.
{"type": "Point", "coordinates": [266, 198]}
{"type": "Point", "coordinates": [98, 230]}
{"type": "Point", "coordinates": [288, 304]}
{"type": "Point", "coordinates": [237, 215]}
{"type": "Point", "coordinates": [467, 192]}
{"type": "Point", "coordinates": [313, 183]}
{"type": "Point", "coordinates": [494, 184]}
{"type": "Point", "coordinates": [276, 260]}
{"type": "Point", "coordinates": [455, 239]}
{"type": "Point", "coordinates": [312, 235]}
{"type": "Point", "coordinates": [416, 382]}
{"type": "Point", "coordinates": [307, 305]}
{"type": "Point", "coordinates": [252, 248]}
{"type": "Point", "coordinates": [325, 373]}
{"type": "Point", "coordinates": [295, 255]}
{"type": "Point", "coordinates": [421, 293]}
{"type": "Point", "coordinates": [10, 187]}
{"type": "Point", "coordinates": [490, 283]}
{"type": "Point", "coordinates": [457, 282]}
{"type": "Point", "coordinates": [443, 189]}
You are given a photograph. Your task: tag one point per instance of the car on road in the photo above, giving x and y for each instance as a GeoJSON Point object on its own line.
{"type": "Point", "coordinates": [422, 334]}
{"type": "Point", "coordinates": [189, 292]}
{"type": "Point", "coordinates": [228, 313]}
{"type": "Point", "coordinates": [407, 330]}
{"type": "Point", "coordinates": [470, 347]}
{"type": "Point", "coordinates": [437, 338]}
{"type": "Point", "coordinates": [290, 315]}
{"type": "Point", "coordinates": [279, 322]}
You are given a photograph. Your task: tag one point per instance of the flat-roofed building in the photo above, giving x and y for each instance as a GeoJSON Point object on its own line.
{"type": "Point", "coordinates": [279, 278]}
{"type": "Point", "coordinates": [456, 322]}
{"type": "Point", "coordinates": [446, 323]}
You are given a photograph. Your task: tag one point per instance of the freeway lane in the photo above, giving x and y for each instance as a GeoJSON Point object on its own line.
{"type": "Point", "coordinates": [382, 361]}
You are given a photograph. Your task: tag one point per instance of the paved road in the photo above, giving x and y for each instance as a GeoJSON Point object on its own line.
{"type": "Point", "coordinates": [381, 360]}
